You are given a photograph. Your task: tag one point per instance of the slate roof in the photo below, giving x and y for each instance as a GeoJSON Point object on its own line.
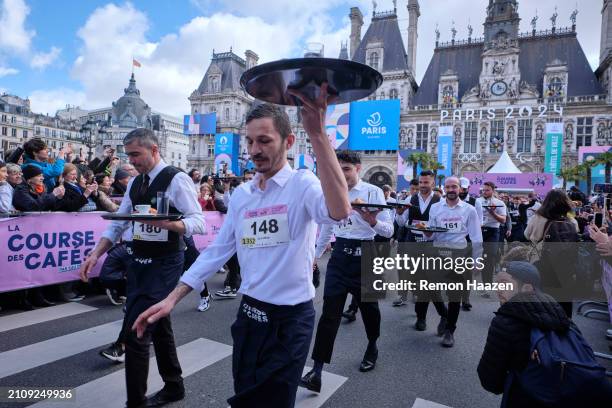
{"type": "Point", "coordinates": [384, 29]}
{"type": "Point", "coordinates": [535, 54]}
{"type": "Point", "coordinates": [231, 66]}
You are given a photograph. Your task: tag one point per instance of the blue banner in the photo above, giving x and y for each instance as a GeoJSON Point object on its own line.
{"type": "Point", "coordinates": [374, 125]}
{"type": "Point", "coordinates": [227, 147]}
{"type": "Point", "coordinates": [445, 150]}
{"type": "Point", "coordinates": [200, 124]}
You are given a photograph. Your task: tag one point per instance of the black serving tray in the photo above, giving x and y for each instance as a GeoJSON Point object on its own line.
{"type": "Point", "coordinates": [347, 80]}
{"type": "Point", "coordinates": [141, 217]}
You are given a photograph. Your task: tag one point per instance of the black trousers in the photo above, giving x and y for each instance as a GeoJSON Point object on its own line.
{"type": "Point", "coordinates": [233, 275]}
{"type": "Point", "coordinates": [343, 276]}
{"type": "Point", "coordinates": [490, 237]}
{"type": "Point", "coordinates": [149, 283]}
{"type": "Point", "coordinates": [270, 349]}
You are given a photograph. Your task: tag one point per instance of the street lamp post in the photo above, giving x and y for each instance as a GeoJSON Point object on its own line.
{"type": "Point", "coordinates": [90, 132]}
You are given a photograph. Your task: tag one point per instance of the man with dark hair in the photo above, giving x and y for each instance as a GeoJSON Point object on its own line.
{"type": "Point", "coordinates": [37, 154]}
{"type": "Point", "coordinates": [158, 256]}
{"type": "Point", "coordinates": [195, 176]}
{"type": "Point", "coordinates": [343, 274]}
{"type": "Point", "coordinates": [418, 213]}
{"type": "Point", "coordinates": [414, 187]}
{"type": "Point", "coordinates": [271, 224]}
{"type": "Point", "coordinates": [248, 175]}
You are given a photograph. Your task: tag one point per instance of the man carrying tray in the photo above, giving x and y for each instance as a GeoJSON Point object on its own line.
{"type": "Point", "coordinates": [271, 224]}
{"type": "Point", "coordinates": [343, 274]}
{"type": "Point", "coordinates": [157, 263]}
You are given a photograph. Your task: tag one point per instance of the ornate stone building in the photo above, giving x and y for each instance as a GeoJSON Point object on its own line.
{"type": "Point", "coordinates": [498, 93]}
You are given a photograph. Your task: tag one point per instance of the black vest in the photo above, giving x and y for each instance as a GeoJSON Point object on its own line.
{"type": "Point", "coordinates": [152, 249]}
{"type": "Point", "coordinates": [414, 212]}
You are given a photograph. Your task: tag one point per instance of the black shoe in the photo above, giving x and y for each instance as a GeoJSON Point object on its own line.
{"type": "Point", "coordinates": [40, 301]}
{"type": "Point", "coordinates": [420, 325]}
{"type": "Point", "coordinates": [114, 352]}
{"type": "Point", "coordinates": [311, 381]}
{"type": "Point", "coordinates": [24, 304]}
{"type": "Point", "coordinates": [164, 397]}
{"type": "Point", "coordinates": [350, 315]}
{"type": "Point", "coordinates": [466, 306]}
{"type": "Point", "coordinates": [369, 360]}
{"type": "Point", "coordinates": [448, 340]}
{"type": "Point", "coordinates": [441, 326]}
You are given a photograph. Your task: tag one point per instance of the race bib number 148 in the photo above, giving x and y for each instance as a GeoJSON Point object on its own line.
{"type": "Point", "coordinates": [265, 227]}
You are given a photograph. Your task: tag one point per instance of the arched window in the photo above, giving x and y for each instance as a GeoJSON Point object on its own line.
{"type": "Point", "coordinates": [374, 60]}
{"type": "Point", "coordinates": [393, 94]}
{"type": "Point", "coordinates": [382, 95]}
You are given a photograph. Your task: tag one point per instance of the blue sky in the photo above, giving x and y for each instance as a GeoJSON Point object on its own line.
{"type": "Point", "coordinates": [59, 52]}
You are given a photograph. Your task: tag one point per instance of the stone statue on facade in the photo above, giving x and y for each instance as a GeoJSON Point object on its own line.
{"type": "Point", "coordinates": [553, 18]}
{"type": "Point", "coordinates": [573, 16]}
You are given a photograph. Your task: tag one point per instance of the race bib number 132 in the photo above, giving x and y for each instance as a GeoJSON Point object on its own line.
{"type": "Point", "coordinates": [265, 227]}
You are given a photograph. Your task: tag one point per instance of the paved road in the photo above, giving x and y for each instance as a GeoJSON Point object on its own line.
{"type": "Point", "coordinates": [58, 346]}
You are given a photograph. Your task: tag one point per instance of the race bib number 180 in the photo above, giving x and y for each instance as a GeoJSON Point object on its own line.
{"type": "Point", "coordinates": [144, 232]}
{"type": "Point", "coordinates": [265, 227]}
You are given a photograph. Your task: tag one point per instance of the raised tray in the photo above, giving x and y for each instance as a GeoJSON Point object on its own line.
{"type": "Point", "coordinates": [493, 206]}
{"type": "Point", "coordinates": [375, 206]}
{"type": "Point", "coordinates": [399, 205]}
{"type": "Point", "coordinates": [347, 80]}
{"type": "Point", "coordinates": [141, 217]}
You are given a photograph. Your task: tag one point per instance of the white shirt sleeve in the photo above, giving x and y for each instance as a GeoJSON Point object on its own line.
{"type": "Point", "coordinates": [402, 219]}
{"type": "Point", "coordinates": [214, 256]}
{"type": "Point", "coordinates": [325, 235]}
{"type": "Point", "coordinates": [314, 201]}
{"type": "Point", "coordinates": [478, 206]}
{"type": "Point", "coordinates": [184, 199]}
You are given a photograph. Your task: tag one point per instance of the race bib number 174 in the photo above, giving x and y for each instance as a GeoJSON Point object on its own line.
{"type": "Point", "coordinates": [265, 227]}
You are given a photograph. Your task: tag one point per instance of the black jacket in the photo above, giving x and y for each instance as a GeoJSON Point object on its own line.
{"type": "Point", "coordinates": [508, 341]}
{"type": "Point", "coordinates": [24, 199]}
{"type": "Point", "coordinates": [72, 199]}
{"type": "Point", "coordinates": [118, 188]}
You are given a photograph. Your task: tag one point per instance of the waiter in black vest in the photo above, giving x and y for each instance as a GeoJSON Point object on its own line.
{"type": "Point", "coordinates": [418, 212]}
{"type": "Point", "coordinates": [157, 264]}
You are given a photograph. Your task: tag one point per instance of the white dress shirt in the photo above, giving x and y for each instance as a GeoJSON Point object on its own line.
{"type": "Point", "coordinates": [462, 216]}
{"type": "Point", "coordinates": [280, 274]}
{"type": "Point", "coordinates": [183, 197]}
{"type": "Point", "coordinates": [355, 227]}
{"type": "Point", "coordinates": [487, 219]}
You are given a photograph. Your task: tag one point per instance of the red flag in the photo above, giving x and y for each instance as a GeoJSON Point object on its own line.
{"type": "Point", "coordinates": [136, 63]}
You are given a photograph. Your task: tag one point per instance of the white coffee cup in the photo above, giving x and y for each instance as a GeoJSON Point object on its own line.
{"type": "Point", "coordinates": [143, 208]}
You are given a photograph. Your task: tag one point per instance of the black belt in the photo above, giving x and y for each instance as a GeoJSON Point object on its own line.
{"type": "Point", "coordinates": [489, 228]}
{"type": "Point", "coordinates": [272, 310]}
{"type": "Point", "coordinates": [348, 246]}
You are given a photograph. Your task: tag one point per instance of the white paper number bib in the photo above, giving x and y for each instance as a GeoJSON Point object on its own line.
{"type": "Point", "coordinates": [144, 232]}
{"type": "Point", "coordinates": [452, 224]}
{"type": "Point", "coordinates": [346, 227]}
{"type": "Point", "coordinates": [265, 227]}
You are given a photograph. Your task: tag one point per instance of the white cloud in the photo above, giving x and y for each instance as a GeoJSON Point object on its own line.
{"type": "Point", "coordinates": [43, 59]}
{"type": "Point", "coordinates": [14, 37]}
{"type": "Point", "coordinates": [4, 71]}
{"type": "Point", "coordinates": [48, 101]}
{"type": "Point", "coordinates": [174, 66]}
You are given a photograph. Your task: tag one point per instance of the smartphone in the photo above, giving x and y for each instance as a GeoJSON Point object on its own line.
{"type": "Point", "coordinates": [598, 220]}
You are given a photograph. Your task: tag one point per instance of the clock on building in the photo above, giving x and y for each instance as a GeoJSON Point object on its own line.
{"type": "Point", "coordinates": [499, 88]}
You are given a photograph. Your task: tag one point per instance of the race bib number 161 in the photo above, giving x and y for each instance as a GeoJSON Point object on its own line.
{"type": "Point", "coordinates": [265, 227]}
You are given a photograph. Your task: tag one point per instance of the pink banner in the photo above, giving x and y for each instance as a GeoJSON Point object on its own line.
{"type": "Point", "coordinates": [48, 248]}
{"type": "Point", "coordinates": [540, 183]}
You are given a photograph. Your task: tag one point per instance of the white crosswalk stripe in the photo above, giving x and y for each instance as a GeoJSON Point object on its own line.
{"type": "Point", "coordinates": [421, 403]}
{"type": "Point", "coordinates": [194, 356]}
{"type": "Point", "coordinates": [24, 319]}
{"type": "Point", "coordinates": [331, 383]}
{"type": "Point", "coordinates": [48, 351]}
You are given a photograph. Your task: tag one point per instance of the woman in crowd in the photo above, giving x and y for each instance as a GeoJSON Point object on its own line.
{"type": "Point", "coordinates": [6, 191]}
{"type": "Point", "coordinates": [207, 198]}
{"type": "Point", "coordinates": [31, 195]}
{"type": "Point", "coordinates": [105, 184]}
{"type": "Point", "coordinates": [557, 264]}
{"type": "Point", "coordinates": [76, 197]}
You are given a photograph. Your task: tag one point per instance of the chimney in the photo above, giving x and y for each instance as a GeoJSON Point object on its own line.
{"type": "Point", "coordinates": [251, 59]}
{"type": "Point", "coordinates": [356, 24]}
{"type": "Point", "coordinates": [414, 13]}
